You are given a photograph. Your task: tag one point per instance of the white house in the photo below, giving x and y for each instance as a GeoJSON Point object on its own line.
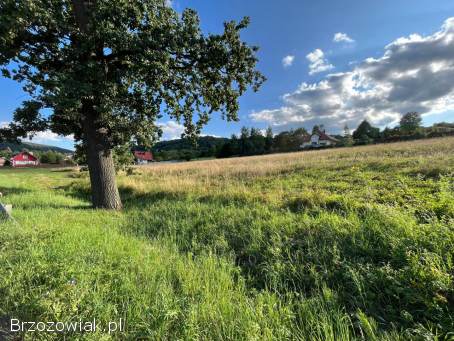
{"type": "Point", "coordinates": [318, 139]}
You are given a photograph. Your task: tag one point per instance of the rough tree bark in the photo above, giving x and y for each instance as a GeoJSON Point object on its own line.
{"type": "Point", "coordinates": [101, 166]}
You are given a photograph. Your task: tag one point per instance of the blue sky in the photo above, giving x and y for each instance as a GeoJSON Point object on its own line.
{"type": "Point", "coordinates": [304, 31]}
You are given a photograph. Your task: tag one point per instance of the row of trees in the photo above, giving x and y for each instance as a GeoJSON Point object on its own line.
{"type": "Point", "coordinates": [409, 128]}
{"type": "Point", "coordinates": [253, 141]}
{"type": "Point", "coordinates": [51, 157]}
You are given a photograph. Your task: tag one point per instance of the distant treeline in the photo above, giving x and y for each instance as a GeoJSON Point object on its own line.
{"type": "Point", "coordinates": [409, 128]}
{"type": "Point", "coordinates": [52, 157]}
{"type": "Point", "coordinates": [252, 141]}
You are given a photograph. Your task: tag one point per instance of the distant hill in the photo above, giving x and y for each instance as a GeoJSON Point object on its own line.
{"type": "Point", "coordinates": [17, 147]}
{"type": "Point", "coordinates": [203, 143]}
{"type": "Point", "coordinates": [207, 146]}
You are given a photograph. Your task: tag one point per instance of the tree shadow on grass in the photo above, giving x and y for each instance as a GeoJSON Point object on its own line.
{"type": "Point", "coordinates": [13, 191]}
{"type": "Point", "coordinates": [131, 198]}
{"type": "Point", "coordinates": [5, 333]}
{"type": "Point", "coordinates": [63, 170]}
{"type": "Point", "coordinates": [44, 205]}
{"type": "Point", "coordinates": [75, 191]}
{"type": "Point", "coordinates": [33, 204]}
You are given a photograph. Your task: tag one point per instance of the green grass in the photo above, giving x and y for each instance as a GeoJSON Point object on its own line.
{"type": "Point", "coordinates": [342, 244]}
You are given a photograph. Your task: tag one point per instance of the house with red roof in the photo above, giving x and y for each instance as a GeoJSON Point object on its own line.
{"type": "Point", "coordinates": [24, 159]}
{"type": "Point", "coordinates": [318, 139]}
{"type": "Point", "coordinates": [142, 157]}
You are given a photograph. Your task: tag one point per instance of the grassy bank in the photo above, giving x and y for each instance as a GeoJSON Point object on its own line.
{"type": "Point", "coordinates": [354, 243]}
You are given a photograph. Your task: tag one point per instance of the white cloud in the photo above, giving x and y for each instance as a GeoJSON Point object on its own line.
{"type": "Point", "coordinates": [171, 130]}
{"type": "Point", "coordinates": [169, 3]}
{"type": "Point", "coordinates": [318, 62]}
{"type": "Point", "coordinates": [340, 37]}
{"type": "Point", "coordinates": [287, 61]}
{"type": "Point", "coordinates": [45, 137]}
{"type": "Point", "coordinates": [210, 135]}
{"type": "Point", "coordinates": [415, 73]}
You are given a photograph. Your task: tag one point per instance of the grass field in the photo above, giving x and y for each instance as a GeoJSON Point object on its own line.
{"type": "Point", "coordinates": [345, 244]}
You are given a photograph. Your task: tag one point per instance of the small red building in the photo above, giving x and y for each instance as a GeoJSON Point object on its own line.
{"type": "Point", "coordinates": [142, 157]}
{"type": "Point", "coordinates": [24, 159]}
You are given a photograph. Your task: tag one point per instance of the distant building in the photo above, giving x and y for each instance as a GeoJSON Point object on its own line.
{"type": "Point", "coordinates": [2, 161]}
{"type": "Point", "coordinates": [142, 157]}
{"type": "Point", "coordinates": [24, 159]}
{"type": "Point", "coordinates": [318, 139]}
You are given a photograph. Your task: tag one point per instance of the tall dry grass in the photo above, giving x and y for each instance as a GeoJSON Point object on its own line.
{"type": "Point", "coordinates": [239, 171]}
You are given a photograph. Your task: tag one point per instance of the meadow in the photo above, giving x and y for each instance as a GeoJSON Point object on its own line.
{"type": "Point", "coordinates": [340, 244]}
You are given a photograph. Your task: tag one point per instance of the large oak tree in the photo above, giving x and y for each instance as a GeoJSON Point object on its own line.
{"type": "Point", "coordinates": [109, 69]}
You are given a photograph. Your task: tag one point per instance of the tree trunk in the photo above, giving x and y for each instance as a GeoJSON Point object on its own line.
{"type": "Point", "coordinates": [101, 167]}
{"type": "Point", "coordinates": [104, 190]}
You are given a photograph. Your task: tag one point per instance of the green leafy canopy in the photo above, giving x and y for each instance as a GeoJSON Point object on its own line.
{"type": "Point", "coordinates": [123, 62]}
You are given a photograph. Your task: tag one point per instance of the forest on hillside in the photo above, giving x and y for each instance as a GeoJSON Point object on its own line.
{"type": "Point", "coordinates": [15, 147]}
